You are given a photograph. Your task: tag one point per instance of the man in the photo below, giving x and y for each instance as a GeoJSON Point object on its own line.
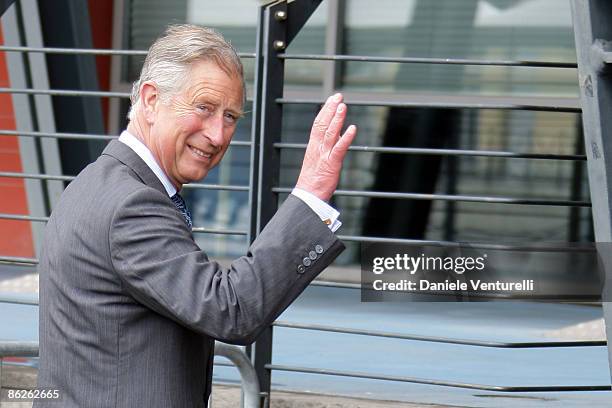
{"type": "Point", "coordinates": [129, 304]}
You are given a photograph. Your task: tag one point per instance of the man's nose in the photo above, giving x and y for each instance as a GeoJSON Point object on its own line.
{"type": "Point", "coordinates": [213, 130]}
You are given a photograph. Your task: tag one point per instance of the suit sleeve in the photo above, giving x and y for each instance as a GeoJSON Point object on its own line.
{"type": "Point", "coordinates": [160, 265]}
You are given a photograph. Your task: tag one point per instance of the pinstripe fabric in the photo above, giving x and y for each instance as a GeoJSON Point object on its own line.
{"type": "Point", "coordinates": [129, 305]}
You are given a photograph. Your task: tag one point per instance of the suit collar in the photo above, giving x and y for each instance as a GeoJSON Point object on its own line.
{"type": "Point", "coordinates": [145, 154]}
{"type": "Point", "coordinates": [127, 156]}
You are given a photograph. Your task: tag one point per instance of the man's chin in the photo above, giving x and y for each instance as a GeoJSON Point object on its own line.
{"type": "Point", "coordinates": [195, 177]}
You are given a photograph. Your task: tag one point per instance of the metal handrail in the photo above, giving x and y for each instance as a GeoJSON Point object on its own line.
{"type": "Point", "coordinates": [70, 92]}
{"type": "Point", "coordinates": [19, 298]}
{"type": "Point", "coordinates": [471, 386]}
{"type": "Point", "coordinates": [90, 51]}
{"type": "Point", "coordinates": [449, 197]}
{"type": "Point", "coordinates": [65, 92]}
{"type": "Point", "coordinates": [85, 136]}
{"type": "Point", "coordinates": [445, 340]}
{"type": "Point", "coordinates": [438, 61]}
{"type": "Point", "coordinates": [17, 260]}
{"type": "Point", "coordinates": [446, 152]}
{"type": "Point", "coordinates": [42, 176]}
{"type": "Point", "coordinates": [248, 376]}
{"type": "Point", "coordinates": [201, 230]}
{"type": "Point", "coordinates": [22, 217]}
{"type": "Point", "coordinates": [440, 105]}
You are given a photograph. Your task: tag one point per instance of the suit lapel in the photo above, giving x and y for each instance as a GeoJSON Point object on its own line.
{"type": "Point", "coordinates": [127, 156]}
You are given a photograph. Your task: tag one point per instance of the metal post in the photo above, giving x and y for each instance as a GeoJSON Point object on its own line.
{"type": "Point", "coordinates": [334, 44]}
{"type": "Point", "coordinates": [592, 31]}
{"type": "Point", "coordinates": [575, 230]}
{"type": "Point", "coordinates": [280, 24]}
{"type": "Point", "coordinates": [271, 79]}
{"type": "Point", "coordinates": [248, 376]}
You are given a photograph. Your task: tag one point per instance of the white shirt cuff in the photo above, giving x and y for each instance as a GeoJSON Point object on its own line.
{"type": "Point", "coordinates": [328, 214]}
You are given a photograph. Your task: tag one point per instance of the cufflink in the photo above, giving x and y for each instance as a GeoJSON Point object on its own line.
{"type": "Point", "coordinates": [319, 249]}
{"type": "Point", "coordinates": [312, 255]}
{"type": "Point", "coordinates": [306, 261]}
{"type": "Point", "coordinates": [327, 221]}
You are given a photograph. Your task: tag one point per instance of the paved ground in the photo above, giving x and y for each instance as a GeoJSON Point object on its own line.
{"type": "Point", "coordinates": [14, 377]}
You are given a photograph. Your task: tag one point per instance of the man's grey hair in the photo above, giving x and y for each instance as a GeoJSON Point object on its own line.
{"type": "Point", "coordinates": [171, 56]}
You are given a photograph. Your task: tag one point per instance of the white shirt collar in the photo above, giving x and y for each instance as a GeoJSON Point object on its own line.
{"type": "Point", "coordinates": [145, 154]}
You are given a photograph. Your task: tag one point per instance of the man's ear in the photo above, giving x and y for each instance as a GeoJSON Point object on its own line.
{"type": "Point", "coordinates": [149, 99]}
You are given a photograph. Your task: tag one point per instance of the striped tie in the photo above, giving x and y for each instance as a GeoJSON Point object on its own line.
{"type": "Point", "coordinates": [180, 204]}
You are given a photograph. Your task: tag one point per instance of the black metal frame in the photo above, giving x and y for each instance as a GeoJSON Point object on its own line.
{"type": "Point", "coordinates": [278, 24]}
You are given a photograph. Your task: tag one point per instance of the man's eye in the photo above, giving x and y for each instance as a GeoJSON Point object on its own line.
{"type": "Point", "coordinates": [231, 118]}
{"type": "Point", "coordinates": [203, 108]}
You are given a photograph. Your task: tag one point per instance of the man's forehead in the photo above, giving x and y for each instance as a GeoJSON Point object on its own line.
{"type": "Point", "coordinates": [207, 78]}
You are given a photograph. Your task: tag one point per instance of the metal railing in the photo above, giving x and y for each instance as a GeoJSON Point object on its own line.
{"type": "Point", "coordinates": [240, 360]}
{"type": "Point", "coordinates": [274, 34]}
{"type": "Point", "coordinates": [270, 101]}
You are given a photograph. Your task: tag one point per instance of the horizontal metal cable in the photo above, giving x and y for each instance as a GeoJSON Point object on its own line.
{"type": "Point", "coordinates": [341, 285]}
{"type": "Point", "coordinates": [36, 176]}
{"type": "Point", "coordinates": [225, 187]}
{"type": "Point", "coordinates": [223, 364]}
{"type": "Point", "coordinates": [200, 230]}
{"type": "Point", "coordinates": [472, 245]}
{"type": "Point", "coordinates": [447, 197]}
{"type": "Point", "coordinates": [418, 60]}
{"type": "Point", "coordinates": [446, 152]}
{"type": "Point", "coordinates": [84, 136]}
{"type": "Point", "coordinates": [69, 178]}
{"type": "Point", "coordinates": [437, 339]}
{"type": "Point", "coordinates": [439, 105]}
{"type": "Point", "coordinates": [19, 298]}
{"type": "Point", "coordinates": [90, 51]}
{"type": "Point", "coordinates": [387, 240]}
{"type": "Point", "coordinates": [65, 92]}
{"type": "Point", "coordinates": [70, 92]}
{"type": "Point", "coordinates": [18, 260]}
{"type": "Point", "coordinates": [218, 231]}
{"type": "Point", "coordinates": [4, 216]}
{"type": "Point", "coordinates": [357, 374]}
{"type": "Point", "coordinates": [56, 135]}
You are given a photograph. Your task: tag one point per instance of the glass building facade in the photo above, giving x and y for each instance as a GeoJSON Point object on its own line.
{"type": "Point", "coordinates": [539, 30]}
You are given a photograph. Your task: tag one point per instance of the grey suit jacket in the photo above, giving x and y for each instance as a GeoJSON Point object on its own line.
{"type": "Point", "coordinates": [130, 305]}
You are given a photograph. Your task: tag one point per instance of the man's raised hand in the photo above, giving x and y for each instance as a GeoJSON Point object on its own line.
{"type": "Point", "coordinates": [326, 149]}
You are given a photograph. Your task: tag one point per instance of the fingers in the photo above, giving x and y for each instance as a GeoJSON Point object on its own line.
{"type": "Point", "coordinates": [335, 127]}
{"type": "Point", "coordinates": [323, 119]}
{"type": "Point", "coordinates": [340, 149]}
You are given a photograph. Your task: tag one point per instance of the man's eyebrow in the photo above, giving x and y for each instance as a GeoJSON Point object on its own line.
{"type": "Point", "coordinates": [238, 113]}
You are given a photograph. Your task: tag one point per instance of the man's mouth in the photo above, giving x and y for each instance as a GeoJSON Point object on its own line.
{"type": "Point", "coordinates": [199, 152]}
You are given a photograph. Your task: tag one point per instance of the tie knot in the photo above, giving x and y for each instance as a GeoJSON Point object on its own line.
{"type": "Point", "coordinates": [179, 202]}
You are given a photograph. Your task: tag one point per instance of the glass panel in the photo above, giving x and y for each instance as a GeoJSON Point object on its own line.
{"type": "Point", "coordinates": [535, 30]}
{"type": "Point", "coordinates": [497, 130]}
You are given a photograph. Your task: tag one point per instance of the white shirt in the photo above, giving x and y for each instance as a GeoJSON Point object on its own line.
{"type": "Point", "coordinates": [327, 213]}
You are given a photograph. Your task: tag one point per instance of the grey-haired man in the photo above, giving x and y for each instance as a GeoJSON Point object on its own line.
{"type": "Point", "coordinates": [130, 306]}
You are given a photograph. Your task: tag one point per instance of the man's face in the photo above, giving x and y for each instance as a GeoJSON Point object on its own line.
{"type": "Point", "coordinates": [192, 130]}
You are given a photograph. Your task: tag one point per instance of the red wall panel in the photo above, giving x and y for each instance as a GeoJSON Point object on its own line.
{"type": "Point", "coordinates": [15, 236]}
